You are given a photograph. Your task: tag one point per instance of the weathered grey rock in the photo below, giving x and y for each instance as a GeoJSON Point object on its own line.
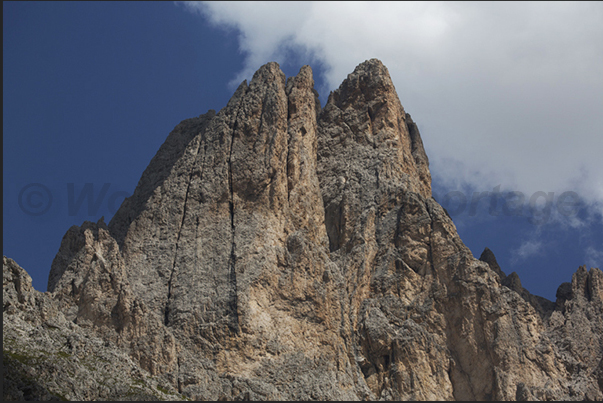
{"type": "Point", "coordinates": [49, 357]}
{"type": "Point", "coordinates": [576, 327]}
{"type": "Point", "coordinates": [275, 250]}
{"type": "Point", "coordinates": [543, 306]}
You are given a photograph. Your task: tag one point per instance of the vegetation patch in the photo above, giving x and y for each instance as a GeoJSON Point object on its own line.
{"type": "Point", "coordinates": [63, 354]}
{"type": "Point", "coordinates": [139, 382]}
{"type": "Point", "coordinates": [22, 358]}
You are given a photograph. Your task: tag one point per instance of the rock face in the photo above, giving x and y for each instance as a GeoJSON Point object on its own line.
{"type": "Point", "coordinates": [277, 250]}
{"type": "Point", "coordinates": [47, 356]}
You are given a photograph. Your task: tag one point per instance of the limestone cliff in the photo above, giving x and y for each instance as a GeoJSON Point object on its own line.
{"type": "Point", "coordinates": [280, 250]}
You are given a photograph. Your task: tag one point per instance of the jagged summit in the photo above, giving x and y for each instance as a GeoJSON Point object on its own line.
{"type": "Point", "coordinates": [277, 250]}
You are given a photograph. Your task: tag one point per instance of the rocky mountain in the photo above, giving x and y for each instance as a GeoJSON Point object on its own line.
{"type": "Point", "coordinates": [280, 250]}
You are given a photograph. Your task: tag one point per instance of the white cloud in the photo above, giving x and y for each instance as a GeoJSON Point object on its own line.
{"type": "Point", "coordinates": [526, 250]}
{"type": "Point", "coordinates": [503, 93]}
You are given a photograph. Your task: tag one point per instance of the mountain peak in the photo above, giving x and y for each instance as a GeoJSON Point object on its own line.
{"type": "Point", "coordinates": [372, 67]}
{"type": "Point", "coordinates": [277, 250]}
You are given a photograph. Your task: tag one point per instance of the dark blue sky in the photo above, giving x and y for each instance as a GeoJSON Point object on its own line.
{"type": "Point", "coordinates": [92, 89]}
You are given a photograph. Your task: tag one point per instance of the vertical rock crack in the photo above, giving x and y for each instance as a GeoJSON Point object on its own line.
{"type": "Point", "coordinates": [188, 186]}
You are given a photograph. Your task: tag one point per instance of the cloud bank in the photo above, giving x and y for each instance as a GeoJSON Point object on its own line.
{"type": "Point", "coordinates": [504, 93]}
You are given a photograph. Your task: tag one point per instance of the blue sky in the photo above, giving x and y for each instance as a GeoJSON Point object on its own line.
{"type": "Point", "coordinates": [92, 89]}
